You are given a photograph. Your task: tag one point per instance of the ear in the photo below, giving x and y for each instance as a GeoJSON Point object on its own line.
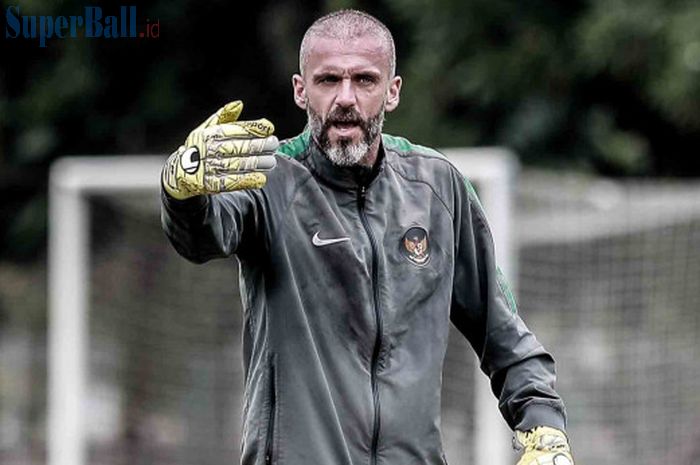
{"type": "Point", "coordinates": [299, 91]}
{"type": "Point", "coordinates": [393, 93]}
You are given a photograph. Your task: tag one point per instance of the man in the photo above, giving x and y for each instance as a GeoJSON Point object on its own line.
{"type": "Point", "coordinates": [356, 250]}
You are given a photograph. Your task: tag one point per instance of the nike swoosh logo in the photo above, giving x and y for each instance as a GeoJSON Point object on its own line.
{"type": "Point", "coordinates": [318, 242]}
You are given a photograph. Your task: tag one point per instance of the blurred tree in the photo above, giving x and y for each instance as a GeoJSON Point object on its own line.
{"type": "Point", "coordinates": [611, 86]}
{"type": "Point", "coordinates": [129, 96]}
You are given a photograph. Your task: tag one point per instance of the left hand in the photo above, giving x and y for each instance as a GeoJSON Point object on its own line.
{"type": "Point", "coordinates": [543, 446]}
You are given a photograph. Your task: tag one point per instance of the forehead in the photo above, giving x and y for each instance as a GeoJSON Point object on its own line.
{"type": "Point", "coordinates": [368, 51]}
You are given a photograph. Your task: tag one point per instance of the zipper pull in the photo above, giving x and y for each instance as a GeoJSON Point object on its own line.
{"type": "Point", "coordinates": [361, 195]}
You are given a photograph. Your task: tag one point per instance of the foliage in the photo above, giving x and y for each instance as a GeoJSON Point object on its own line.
{"type": "Point", "coordinates": [611, 86]}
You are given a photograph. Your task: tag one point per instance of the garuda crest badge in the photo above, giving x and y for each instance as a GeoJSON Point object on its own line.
{"type": "Point", "coordinates": [415, 245]}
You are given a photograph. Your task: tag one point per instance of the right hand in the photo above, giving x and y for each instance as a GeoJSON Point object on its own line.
{"type": "Point", "coordinates": [222, 155]}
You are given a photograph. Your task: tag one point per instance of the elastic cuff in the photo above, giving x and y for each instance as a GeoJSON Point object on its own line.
{"type": "Point", "coordinates": [541, 415]}
{"type": "Point", "coordinates": [188, 205]}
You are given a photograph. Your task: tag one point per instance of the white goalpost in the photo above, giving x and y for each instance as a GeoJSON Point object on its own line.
{"type": "Point", "coordinates": [75, 181]}
{"type": "Point", "coordinates": [493, 170]}
{"type": "Point", "coordinates": [72, 181]}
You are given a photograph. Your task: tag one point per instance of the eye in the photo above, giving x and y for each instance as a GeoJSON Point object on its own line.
{"type": "Point", "coordinates": [366, 79]}
{"type": "Point", "coordinates": [328, 79]}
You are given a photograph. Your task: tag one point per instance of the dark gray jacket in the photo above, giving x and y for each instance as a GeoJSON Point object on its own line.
{"type": "Point", "coordinates": [349, 281]}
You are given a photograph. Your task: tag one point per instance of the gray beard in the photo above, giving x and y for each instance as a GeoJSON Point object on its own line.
{"type": "Point", "coordinates": [344, 152]}
{"type": "Point", "coordinates": [347, 154]}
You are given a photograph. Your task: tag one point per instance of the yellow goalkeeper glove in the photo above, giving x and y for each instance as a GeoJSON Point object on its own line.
{"type": "Point", "coordinates": [543, 446]}
{"type": "Point", "coordinates": [222, 154]}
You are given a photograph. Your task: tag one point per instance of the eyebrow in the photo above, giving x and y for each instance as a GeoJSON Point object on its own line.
{"type": "Point", "coordinates": [338, 72]}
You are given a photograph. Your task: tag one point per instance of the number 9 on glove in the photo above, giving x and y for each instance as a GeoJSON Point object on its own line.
{"type": "Point", "coordinates": [222, 154]}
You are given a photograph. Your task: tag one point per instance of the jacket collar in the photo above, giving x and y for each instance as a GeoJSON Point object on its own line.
{"type": "Point", "coordinates": [342, 177]}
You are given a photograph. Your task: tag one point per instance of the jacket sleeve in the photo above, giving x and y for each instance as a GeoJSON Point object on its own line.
{"type": "Point", "coordinates": [520, 370]}
{"type": "Point", "coordinates": [213, 226]}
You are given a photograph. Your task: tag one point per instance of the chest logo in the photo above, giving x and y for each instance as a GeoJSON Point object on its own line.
{"type": "Point", "coordinates": [415, 246]}
{"type": "Point", "coordinates": [318, 242]}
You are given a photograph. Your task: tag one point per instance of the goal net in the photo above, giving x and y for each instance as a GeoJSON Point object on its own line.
{"type": "Point", "coordinates": [145, 359]}
{"type": "Point", "coordinates": [610, 278]}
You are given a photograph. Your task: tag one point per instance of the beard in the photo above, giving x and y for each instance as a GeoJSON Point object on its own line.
{"type": "Point", "coordinates": [345, 152]}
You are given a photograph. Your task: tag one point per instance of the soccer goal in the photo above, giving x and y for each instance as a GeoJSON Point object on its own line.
{"type": "Point", "coordinates": [144, 347]}
{"type": "Point", "coordinates": [610, 278]}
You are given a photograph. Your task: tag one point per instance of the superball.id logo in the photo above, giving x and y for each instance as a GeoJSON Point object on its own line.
{"type": "Point", "coordinates": [92, 24]}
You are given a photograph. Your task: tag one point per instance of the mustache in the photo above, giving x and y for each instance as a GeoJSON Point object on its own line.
{"type": "Point", "coordinates": [344, 115]}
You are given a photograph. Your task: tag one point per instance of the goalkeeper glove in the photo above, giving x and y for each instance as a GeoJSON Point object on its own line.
{"type": "Point", "coordinates": [543, 446]}
{"type": "Point", "coordinates": [222, 154]}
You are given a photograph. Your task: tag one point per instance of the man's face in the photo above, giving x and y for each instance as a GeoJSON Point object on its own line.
{"type": "Point", "coordinates": [345, 90]}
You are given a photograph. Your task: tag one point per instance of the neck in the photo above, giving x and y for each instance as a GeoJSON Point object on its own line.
{"type": "Point", "coordinates": [370, 157]}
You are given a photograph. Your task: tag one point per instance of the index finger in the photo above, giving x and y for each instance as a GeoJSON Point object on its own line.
{"type": "Point", "coordinates": [258, 128]}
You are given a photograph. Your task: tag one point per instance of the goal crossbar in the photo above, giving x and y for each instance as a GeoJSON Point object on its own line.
{"type": "Point", "coordinates": [74, 179]}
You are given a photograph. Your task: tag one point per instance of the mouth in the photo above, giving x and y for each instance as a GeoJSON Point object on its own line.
{"type": "Point", "coordinates": [345, 124]}
{"type": "Point", "coordinates": [345, 127]}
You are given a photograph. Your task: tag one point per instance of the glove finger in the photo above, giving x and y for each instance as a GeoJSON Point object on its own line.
{"type": "Point", "coordinates": [226, 114]}
{"type": "Point", "coordinates": [234, 182]}
{"type": "Point", "coordinates": [239, 129]}
{"type": "Point", "coordinates": [242, 147]}
{"type": "Point", "coordinates": [230, 112]}
{"type": "Point", "coordinates": [238, 165]}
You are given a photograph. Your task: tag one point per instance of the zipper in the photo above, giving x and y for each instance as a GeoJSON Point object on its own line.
{"type": "Point", "coordinates": [378, 336]}
{"type": "Point", "coordinates": [271, 418]}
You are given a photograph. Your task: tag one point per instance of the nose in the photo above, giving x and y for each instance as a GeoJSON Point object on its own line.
{"type": "Point", "coordinates": [346, 94]}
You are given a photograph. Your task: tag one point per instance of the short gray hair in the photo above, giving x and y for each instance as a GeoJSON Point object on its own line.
{"type": "Point", "coordinates": [346, 25]}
